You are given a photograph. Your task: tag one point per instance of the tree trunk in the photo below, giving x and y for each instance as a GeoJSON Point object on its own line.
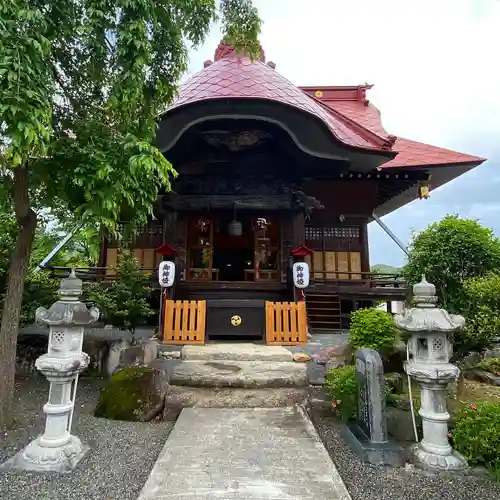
{"type": "Point", "coordinates": [18, 270]}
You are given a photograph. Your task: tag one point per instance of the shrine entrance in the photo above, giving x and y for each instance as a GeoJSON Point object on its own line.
{"type": "Point", "coordinates": [232, 246]}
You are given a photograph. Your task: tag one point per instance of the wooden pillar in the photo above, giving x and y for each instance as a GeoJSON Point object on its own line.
{"type": "Point", "coordinates": [365, 250]}
{"type": "Point", "coordinates": [299, 231]}
{"type": "Point", "coordinates": [286, 244]}
{"type": "Point", "coordinates": [169, 223]}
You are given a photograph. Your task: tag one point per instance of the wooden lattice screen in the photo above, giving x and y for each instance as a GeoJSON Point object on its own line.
{"type": "Point", "coordinates": [286, 323]}
{"type": "Point", "coordinates": [185, 321]}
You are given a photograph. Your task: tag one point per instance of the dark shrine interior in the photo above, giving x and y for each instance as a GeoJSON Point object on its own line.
{"type": "Point", "coordinates": [233, 254]}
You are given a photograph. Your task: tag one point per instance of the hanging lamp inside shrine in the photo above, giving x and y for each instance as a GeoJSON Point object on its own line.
{"type": "Point", "coordinates": [235, 227]}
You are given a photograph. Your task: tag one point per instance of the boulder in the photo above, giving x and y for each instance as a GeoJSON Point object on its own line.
{"type": "Point", "coordinates": [400, 424]}
{"type": "Point", "coordinates": [335, 357]}
{"type": "Point", "coordinates": [482, 376]}
{"type": "Point", "coordinates": [180, 397]}
{"type": "Point", "coordinates": [138, 355]}
{"type": "Point", "coordinates": [135, 394]}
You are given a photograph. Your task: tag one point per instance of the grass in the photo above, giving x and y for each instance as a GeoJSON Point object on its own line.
{"type": "Point", "coordinates": [473, 392]}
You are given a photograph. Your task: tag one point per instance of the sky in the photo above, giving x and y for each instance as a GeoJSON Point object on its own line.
{"type": "Point", "coordinates": [434, 64]}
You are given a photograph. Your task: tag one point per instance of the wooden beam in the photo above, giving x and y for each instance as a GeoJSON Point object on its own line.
{"type": "Point", "coordinates": [242, 202]}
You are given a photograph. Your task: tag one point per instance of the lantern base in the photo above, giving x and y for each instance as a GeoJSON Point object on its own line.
{"type": "Point", "coordinates": [37, 458]}
{"type": "Point", "coordinates": [433, 462]}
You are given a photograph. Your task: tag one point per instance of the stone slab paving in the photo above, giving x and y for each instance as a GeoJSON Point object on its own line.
{"type": "Point", "coordinates": [237, 352]}
{"type": "Point", "coordinates": [246, 374]}
{"type": "Point", "coordinates": [259, 453]}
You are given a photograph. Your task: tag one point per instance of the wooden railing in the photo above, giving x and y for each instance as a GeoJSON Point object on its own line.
{"type": "Point", "coordinates": [94, 273]}
{"type": "Point", "coordinates": [286, 323]}
{"type": "Point", "coordinates": [184, 322]}
{"type": "Point", "coordinates": [356, 278]}
{"type": "Point", "coordinates": [348, 278]}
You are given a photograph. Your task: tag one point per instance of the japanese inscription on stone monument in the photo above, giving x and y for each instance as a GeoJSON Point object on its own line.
{"type": "Point", "coordinates": [371, 397]}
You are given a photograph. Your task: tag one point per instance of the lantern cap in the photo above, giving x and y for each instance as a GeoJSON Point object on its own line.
{"type": "Point", "coordinates": [424, 290]}
{"type": "Point", "coordinates": [301, 251]}
{"type": "Point", "coordinates": [167, 250]}
{"type": "Point", "coordinates": [71, 287]}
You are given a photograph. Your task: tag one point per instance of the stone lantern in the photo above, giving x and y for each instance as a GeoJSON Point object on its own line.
{"type": "Point", "coordinates": [56, 450]}
{"type": "Point", "coordinates": [430, 348]}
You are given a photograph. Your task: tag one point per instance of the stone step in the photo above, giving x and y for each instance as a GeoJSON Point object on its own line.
{"type": "Point", "coordinates": [236, 352]}
{"type": "Point", "coordinates": [180, 397]}
{"type": "Point", "coordinates": [243, 374]}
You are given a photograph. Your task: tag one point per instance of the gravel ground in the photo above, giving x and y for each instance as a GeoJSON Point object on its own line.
{"type": "Point", "coordinates": [384, 483]}
{"type": "Point", "coordinates": [121, 457]}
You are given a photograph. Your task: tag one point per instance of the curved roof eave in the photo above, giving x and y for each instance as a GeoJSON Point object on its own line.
{"type": "Point", "coordinates": [377, 150]}
{"type": "Point", "coordinates": [235, 77]}
{"type": "Point", "coordinates": [311, 134]}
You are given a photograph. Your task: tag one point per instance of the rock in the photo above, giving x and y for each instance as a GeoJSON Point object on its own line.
{"type": "Point", "coordinates": [98, 350]}
{"type": "Point", "coordinates": [492, 353]}
{"type": "Point", "coordinates": [160, 364]}
{"type": "Point", "coordinates": [236, 352]}
{"type": "Point", "coordinates": [130, 356]}
{"type": "Point", "coordinates": [319, 401]}
{"type": "Point", "coordinates": [400, 424]}
{"type": "Point", "coordinates": [150, 351]}
{"type": "Point", "coordinates": [180, 397]}
{"type": "Point", "coordinates": [339, 355]}
{"type": "Point", "coordinates": [135, 394]}
{"type": "Point", "coordinates": [138, 355]}
{"type": "Point", "coordinates": [482, 376]}
{"type": "Point", "coordinates": [243, 374]}
{"type": "Point", "coordinates": [301, 357]}
{"type": "Point", "coordinates": [171, 354]}
{"type": "Point", "coordinates": [32, 346]}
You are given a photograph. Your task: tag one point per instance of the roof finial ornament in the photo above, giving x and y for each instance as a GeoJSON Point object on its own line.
{"type": "Point", "coordinates": [207, 63]}
{"type": "Point", "coordinates": [272, 64]}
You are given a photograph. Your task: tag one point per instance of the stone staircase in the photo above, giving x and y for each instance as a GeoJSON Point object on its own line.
{"type": "Point", "coordinates": [235, 376]}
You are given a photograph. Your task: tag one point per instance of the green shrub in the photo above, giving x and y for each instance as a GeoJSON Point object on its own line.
{"type": "Point", "coordinates": [341, 387]}
{"type": "Point", "coordinates": [476, 434]}
{"type": "Point", "coordinates": [491, 365]}
{"type": "Point", "coordinates": [373, 328]}
{"type": "Point", "coordinates": [126, 302]}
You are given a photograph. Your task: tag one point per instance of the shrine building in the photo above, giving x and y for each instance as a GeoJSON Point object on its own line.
{"type": "Point", "coordinates": [271, 173]}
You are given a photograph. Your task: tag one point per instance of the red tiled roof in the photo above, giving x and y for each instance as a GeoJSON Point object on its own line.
{"type": "Point", "coordinates": [346, 111]}
{"type": "Point", "coordinates": [352, 103]}
{"type": "Point", "coordinates": [412, 154]}
{"type": "Point", "coordinates": [232, 76]}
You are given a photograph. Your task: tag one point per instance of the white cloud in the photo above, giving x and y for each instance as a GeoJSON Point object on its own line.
{"type": "Point", "coordinates": [433, 63]}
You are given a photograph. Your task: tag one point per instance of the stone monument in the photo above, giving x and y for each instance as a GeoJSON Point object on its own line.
{"type": "Point", "coordinates": [368, 435]}
{"type": "Point", "coordinates": [430, 349]}
{"type": "Point", "coordinates": [56, 450]}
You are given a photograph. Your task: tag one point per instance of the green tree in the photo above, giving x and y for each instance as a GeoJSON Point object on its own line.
{"type": "Point", "coordinates": [125, 303]}
{"type": "Point", "coordinates": [482, 311]}
{"type": "Point", "coordinates": [39, 288]}
{"type": "Point", "coordinates": [82, 83]}
{"type": "Point", "coordinates": [450, 251]}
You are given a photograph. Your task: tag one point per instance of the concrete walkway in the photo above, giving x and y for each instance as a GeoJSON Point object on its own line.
{"type": "Point", "coordinates": [260, 453]}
